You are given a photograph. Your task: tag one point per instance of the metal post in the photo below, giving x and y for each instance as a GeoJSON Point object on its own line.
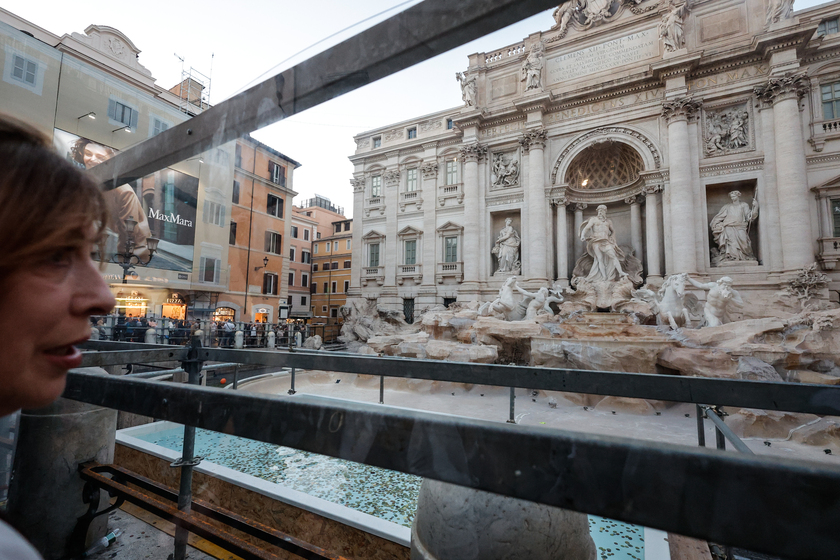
{"type": "Point", "coordinates": [381, 389]}
{"type": "Point", "coordinates": [192, 365]}
{"type": "Point", "coordinates": [512, 419]}
{"type": "Point", "coordinates": [701, 434]}
{"type": "Point", "coordinates": [292, 390]}
{"type": "Point", "coordinates": [236, 377]}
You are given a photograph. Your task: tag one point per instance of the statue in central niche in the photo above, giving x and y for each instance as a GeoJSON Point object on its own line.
{"type": "Point", "coordinates": [598, 234]}
{"type": "Point", "coordinates": [506, 249]}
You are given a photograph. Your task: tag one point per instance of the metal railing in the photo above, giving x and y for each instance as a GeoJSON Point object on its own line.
{"type": "Point", "coordinates": [791, 506]}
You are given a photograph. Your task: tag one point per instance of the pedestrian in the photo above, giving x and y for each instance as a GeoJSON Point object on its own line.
{"type": "Point", "coordinates": [229, 328]}
{"type": "Point", "coordinates": [46, 275]}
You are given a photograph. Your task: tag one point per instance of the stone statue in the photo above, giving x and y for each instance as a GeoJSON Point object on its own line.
{"type": "Point", "coordinates": [505, 173]}
{"type": "Point", "coordinates": [721, 296]}
{"type": "Point", "coordinates": [778, 10]}
{"type": "Point", "coordinates": [671, 304]}
{"type": "Point", "coordinates": [469, 89]}
{"type": "Point", "coordinates": [563, 14]}
{"type": "Point", "coordinates": [504, 303]}
{"type": "Point", "coordinates": [731, 228]}
{"type": "Point", "coordinates": [506, 249]}
{"type": "Point", "coordinates": [532, 68]}
{"type": "Point", "coordinates": [671, 26]}
{"type": "Point", "coordinates": [596, 11]}
{"type": "Point", "coordinates": [539, 302]}
{"type": "Point", "coordinates": [598, 234]}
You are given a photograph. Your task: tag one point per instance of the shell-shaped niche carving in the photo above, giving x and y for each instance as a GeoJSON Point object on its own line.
{"type": "Point", "coordinates": [604, 165]}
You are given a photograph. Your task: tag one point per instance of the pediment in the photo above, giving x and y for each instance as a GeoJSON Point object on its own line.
{"type": "Point", "coordinates": [830, 184]}
{"type": "Point", "coordinates": [373, 234]}
{"type": "Point", "coordinates": [112, 43]}
{"type": "Point", "coordinates": [409, 230]}
{"type": "Point", "coordinates": [449, 227]}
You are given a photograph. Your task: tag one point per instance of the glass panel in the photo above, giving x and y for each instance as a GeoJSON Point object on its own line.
{"type": "Point", "coordinates": [376, 186]}
{"type": "Point", "coordinates": [410, 252]}
{"type": "Point", "coordinates": [374, 255]}
{"type": "Point", "coordinates": [828, 111]}
{"type": "Point", "coordinates": [411, 180]}
{"type": "Point", "coordinates": [451, 250]}
{"type": "Point", "coordinates": [832, 26]}
{"type": "Point", "coordinates": [835, 215]}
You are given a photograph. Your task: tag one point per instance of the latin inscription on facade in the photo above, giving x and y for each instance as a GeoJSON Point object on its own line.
{"type": "Point", "coordinates": [602, 106]}
{"type": "Point", "coordinates": [606, 56]}
{"type": "Point", "coordinates": [739, 74]}
{"type": "Point", "coordinates": [504, 86]}
{"type": "Point", "coordinates": [501, 129]}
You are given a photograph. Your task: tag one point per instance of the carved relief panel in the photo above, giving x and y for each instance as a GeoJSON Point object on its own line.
{"type": "Point", "coordinates": [728, 129]}
{"type": "Point", "coordinates": [504, 169]}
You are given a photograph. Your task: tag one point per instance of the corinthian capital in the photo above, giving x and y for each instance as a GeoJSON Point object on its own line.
{"type": "Point", "coordinates": [784, 87]}
{"type": "Point", "coordinates": [358, 184]}
{"type": "Point", "coordinates": [533, 139]}
{"type": "Point", "coordinates": [391, 178]}
{"type": "Point", "coordinates": [473, 152]}
{"type": "Point", "coordinates": [430, 170]}
{"type": "Point", "coordinates": [681, 109]}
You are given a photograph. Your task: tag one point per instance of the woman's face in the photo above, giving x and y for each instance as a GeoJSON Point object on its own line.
{"type": "Point", "coordinates": [96, 154]}
{"type": "Point", "coordinates": [47, 306]}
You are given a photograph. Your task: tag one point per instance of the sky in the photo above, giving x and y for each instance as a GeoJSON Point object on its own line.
{"type": "Point", "coordinates": [242, 43]}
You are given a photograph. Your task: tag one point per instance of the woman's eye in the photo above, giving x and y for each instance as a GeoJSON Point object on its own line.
{"type": "Point", "coordinates": [61, 257]}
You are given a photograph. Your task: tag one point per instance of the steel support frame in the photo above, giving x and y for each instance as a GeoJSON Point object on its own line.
{"type": "Point", "coordinates": [792, 506]}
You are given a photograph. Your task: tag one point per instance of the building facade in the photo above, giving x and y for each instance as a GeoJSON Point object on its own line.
{"type": "Point", "coordinates": [304, 230]}
{"type": "Point", "coordinates": [89, 92]}
{"type": "Point", "coordinates": [260, 227]}
{"type": "Point", "coordinates": [708, 130]}
{"type": "Point", "coordinates": [331, 270]}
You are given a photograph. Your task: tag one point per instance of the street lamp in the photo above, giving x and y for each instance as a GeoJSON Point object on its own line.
{"type": "Point", "coordinates": [265, 264]}
{"type": "Point", "coordinates": [127, 259]}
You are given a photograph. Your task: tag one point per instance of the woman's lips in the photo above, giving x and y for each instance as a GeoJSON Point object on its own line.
{"type": "Point", "coordinates": [65, 357]}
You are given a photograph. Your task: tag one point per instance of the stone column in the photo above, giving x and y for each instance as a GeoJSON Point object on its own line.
{"type": "Point", "coordinates": [654, 267]}
{"type": "Point", "coordinates": [357, 255]}
{"type": "Point", "coordinates": [562, 241]}
{"type": "Point", "coordinates": [791, 176]}
{"type": "Point", "coordinates": [577, 243]}
{"type": "Point", "coordinates": [635, 226]}
{"type": "Point", "coordinates": [391, 180]}
{"type": "Point", "coordinates": [535, 222]}
{"type": "Point", "coordinates": [472, 213]}
{"type": "Point", "coordinates": [684, 240]}
{"type": "Point", "coordinates": [770, 240]}
{"type": "Point", "coordinates": [430, 240]}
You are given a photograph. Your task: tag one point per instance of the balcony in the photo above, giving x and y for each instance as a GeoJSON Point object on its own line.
{"type": "Point", "coordinates": [410, 197]}
{"type": "Point", "coordinates": [375, 203]}
{"type": "Point", "coordinates": [413, 271]}
{"type": "Point", "coordinates": [822, 131]}
{"type": "Point", "coordinates": [454, 192]}
{"type": "Point", "coordinates": [829, 252]}
{"type": "Point", "coordinates": [373, 274]}
{"type": "Point", "coordinates": [449, 270]}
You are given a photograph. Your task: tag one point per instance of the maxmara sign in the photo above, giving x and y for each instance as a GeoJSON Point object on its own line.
{"type": "Point", "coordinates": [605, 56]}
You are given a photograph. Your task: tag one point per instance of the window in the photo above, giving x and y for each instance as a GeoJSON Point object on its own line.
{"type": "Point", "coordinates": [346, 285]}
{"type": "Point", "coordinates": [235, 197]}
{"type": "Point", "coordinates": [373, 254]}
{"type": "Point", "coordinates": [411, 251]}
{"type": "Point", "coordinates": [346, 226]}
{"type": "Point", "coordinates": [314, 289]}
{"type": "Point", "coordinates": [412, 133]}
{"type": "Point", "coordinates": [447, 301]}
{"type": "Point", "coordinates": [323, 308]}
{"type": "Point", "coordinates": [274, 206]}
{"type": "Point", "coordinates": [348, 244]}
{"type": "Point", "coordinates": [835, 213]}
{"type": "Point", "coordinates": [295, 232]}
{"type": "Point", "coordinates": [238, 156]}
{"type": "Point", "coordinates": [411, 180]}
{"type": "Point", "coordinates": [273, 243]}
{"type": "Point", "coordinates": [377, 142]}
{"type": "Point", "coordinates": [326, 288]}
{"type": "Point", "coordinates": [24, 70]}
{"type": "Point", "coordinates": [232, 239]}
{"type": "Point", "coordinates": [376, 186]}
{"type": "Point", "coordinates": [291, 279]}
{"type": "Point", "coordinates": [158, 126]}
{"type": "Point", "coordinates": [315, 267]}
{"type": "Point", "coordinates": [305, 257]}
{"type": "Point", "coordinates": [304, 280]}
{"type": "Point", "coordinates": [277, 173]}
{"type": "Point", "coordinates": [315, 248]}
{"type": "Point", "coordinates": [831, 100]}
{"type": "Point", "coordinates": [214, 213]}
{"type": "Point", "coordinates": [327, 246]}
{"type": "Point", "coordinates": [121, 113]}
{"type": "Point", "coordinates": [292, 254]}
{"type": "Point", "coordinates": [451, 172]}
{"type": "Point", "coordinates": [209, 269]}
{"type": "Point", "coordinates": [828, 27]}
{"type": "Point", "coordinates": [335, 266]}
{"type": "Point", "coordinates": [449, 124]}
{"type": "Point", "coordinates": [318, 236]}
{"type": "Point", "coordinates": [335, 246]}
{"type": "Point", "coordinates": [306, 235]}
{"type": "Point", "coordinates": [303, 301]}
{"type": "Point", "coordinates": [269, 284]}
{"type": "Point", "coordinates": [334, 312]}
{"type": "Point", "coordinates": [338, 227]}
{"type": "Point", "coordinates": [333, 287]}
{"type": "Point", "coordinates": [347, 264]}
{"type": "Point", "coordinates": [450, 249]}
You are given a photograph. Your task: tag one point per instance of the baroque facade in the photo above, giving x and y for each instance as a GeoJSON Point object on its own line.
{"type": "Point", "coordinates": [710, 132]}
